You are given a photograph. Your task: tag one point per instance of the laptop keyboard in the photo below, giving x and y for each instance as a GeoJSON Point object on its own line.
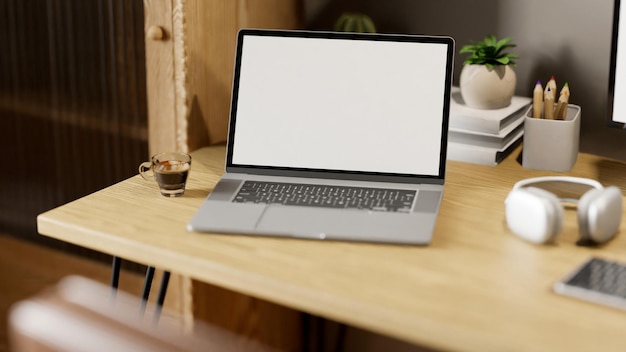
{"type": "Point", "coordinates": [377, 199]}
{"type": "Point", "coordinates": [603, 276]}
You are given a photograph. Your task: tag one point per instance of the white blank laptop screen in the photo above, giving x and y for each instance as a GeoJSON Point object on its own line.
{"type": "Point", "coordinates": [341, 104]}
{"type": "Point", "coordinates": [619, 89]}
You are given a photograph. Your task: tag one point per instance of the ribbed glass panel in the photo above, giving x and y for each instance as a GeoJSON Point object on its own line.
{"type": "Point", "coordinates": [73, 115]}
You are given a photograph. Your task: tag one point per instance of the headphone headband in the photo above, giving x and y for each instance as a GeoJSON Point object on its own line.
{"type": "Point", "coordinates": [567, 179]}
{"type": "Point", "coordinates": [567, 188]}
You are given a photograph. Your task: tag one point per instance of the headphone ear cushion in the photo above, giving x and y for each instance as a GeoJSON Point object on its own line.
{"type": "Point", "coordinates": [600, 214]}
{"type": "Point", "coordinates": [534, 214]}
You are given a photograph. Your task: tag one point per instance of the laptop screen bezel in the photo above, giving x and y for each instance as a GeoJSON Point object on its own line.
{"type": "Point", "coordinates": [341, 174]}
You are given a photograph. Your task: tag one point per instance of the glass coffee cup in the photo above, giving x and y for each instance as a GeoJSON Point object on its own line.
{"type": "Point", "coordinates": [170, 170]}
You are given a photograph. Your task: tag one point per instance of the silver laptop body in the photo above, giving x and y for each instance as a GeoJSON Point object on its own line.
{"type": "Point", "coordinates": [336, 114]}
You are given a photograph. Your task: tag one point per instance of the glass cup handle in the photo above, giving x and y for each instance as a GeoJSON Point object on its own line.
{"type": "Point", "coordinates": [143, 170]}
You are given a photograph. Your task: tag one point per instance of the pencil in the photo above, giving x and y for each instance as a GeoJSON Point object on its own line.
{"type": "Point", "coordinates": [537, 100]}
{"type": "Point", "coordinates": [561, 107]}
{"type": "Point", "coordinates": [548, 104]}
{"type": "Point", "coordinates": [552, 84]}
{"type": "Point", "coordinates": [565, 90]}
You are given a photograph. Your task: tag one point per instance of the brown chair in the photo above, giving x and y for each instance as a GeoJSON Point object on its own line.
{"type": "Point", "coordinates": [82, 315]}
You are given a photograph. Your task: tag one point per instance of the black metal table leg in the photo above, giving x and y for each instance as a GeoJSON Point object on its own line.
{"type": "Point", "coordinates": [147, 284]}
{"type": "Point", "coordinates": [161, 296]}
{"type": "Point", "coordinates": [163, 289]}
{"type": "Point", "coordinates": [115, 273]}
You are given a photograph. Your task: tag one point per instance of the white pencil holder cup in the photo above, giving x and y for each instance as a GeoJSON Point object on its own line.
{"type": "Point", "coordinates": [551, 144]}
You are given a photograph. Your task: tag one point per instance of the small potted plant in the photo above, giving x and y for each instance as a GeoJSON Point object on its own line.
{"type": "Point", "coordinates": [355, 22]}
{"type": "Point", "coordinates": [487, 80]}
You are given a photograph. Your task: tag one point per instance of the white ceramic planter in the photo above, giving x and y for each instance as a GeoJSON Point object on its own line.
{"type": "Point", "coordinates": [484, 88]}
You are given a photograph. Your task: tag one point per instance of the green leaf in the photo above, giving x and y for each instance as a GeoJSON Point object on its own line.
{"type": "Point", "coordinates": [503, 41]}
{"type": "Point", "coordinates": [503, 60]}
{"type": "Point", "coordinates": [490, 40]}
{"type": "Point", "coordinates": [489, 52]}
{"type": "Point", "coordinates": [467, 49]}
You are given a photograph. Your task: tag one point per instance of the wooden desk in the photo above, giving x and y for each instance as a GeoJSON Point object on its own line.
{"type": "Point", "coordinates": [476, 287]}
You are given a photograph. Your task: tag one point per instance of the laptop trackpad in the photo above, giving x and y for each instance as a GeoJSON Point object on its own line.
{"type": "Point", "coordinates": [322, 223]}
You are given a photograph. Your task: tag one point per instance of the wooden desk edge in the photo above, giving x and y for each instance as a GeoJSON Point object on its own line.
{"type": "Point", "coordinates": [376, 319]}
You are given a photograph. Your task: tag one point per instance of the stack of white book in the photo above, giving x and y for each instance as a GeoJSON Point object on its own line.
{"type": "Point", "coordinates": [484, 136]}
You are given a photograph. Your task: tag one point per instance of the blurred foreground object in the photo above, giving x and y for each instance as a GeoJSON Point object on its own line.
{"type": "Point", "coordinates": [82, 315]}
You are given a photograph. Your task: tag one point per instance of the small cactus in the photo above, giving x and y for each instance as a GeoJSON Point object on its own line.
{"type": "Point", "coordinates": [355, 22]}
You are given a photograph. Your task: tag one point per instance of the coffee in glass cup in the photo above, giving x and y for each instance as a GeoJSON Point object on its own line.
{"type": "Point", "coordinates": [170, 170]}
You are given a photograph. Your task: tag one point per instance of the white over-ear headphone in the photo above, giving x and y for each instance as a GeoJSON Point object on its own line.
{"type": "Point", "coordinates": [536, 214]}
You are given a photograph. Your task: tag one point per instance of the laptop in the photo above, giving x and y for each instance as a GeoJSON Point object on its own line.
{"type": "Point", "coordinates": [334, 136]}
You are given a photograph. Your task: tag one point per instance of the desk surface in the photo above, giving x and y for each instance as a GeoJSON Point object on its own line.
{"type": "Point", "coordinates": [475, 287]}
